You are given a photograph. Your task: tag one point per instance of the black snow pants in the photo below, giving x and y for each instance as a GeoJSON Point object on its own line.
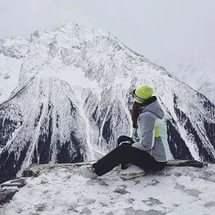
{"type": "Point", "coordinates": [125, 153]}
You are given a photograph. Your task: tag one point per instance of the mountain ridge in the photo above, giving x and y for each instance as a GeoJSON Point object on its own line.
{"type": "Point", "coordinates": [72, 102]}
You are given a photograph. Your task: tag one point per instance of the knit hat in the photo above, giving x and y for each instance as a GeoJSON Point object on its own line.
{"type": "Point", "coordinates": [143, 93]}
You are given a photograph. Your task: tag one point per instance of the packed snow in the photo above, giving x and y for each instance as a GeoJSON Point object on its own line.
{"type": "Point", "coordinates": [62, 190]}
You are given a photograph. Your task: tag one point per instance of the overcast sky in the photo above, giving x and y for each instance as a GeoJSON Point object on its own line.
{"type": "Point", "coordinates": [165, 31]}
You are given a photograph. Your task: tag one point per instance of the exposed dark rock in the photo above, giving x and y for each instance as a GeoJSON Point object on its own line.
{"type": "Point", "coordinates": [176, 143]}
{"type": "Point", "coordinates": [19, 182]}
{"type": "Point", "coordinates": [6, 195]}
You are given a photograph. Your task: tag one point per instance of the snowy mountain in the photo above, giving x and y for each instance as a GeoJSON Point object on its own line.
{"type": "Point", "coordinates": [199, 75]}
{"type": "Point", "coordinates": [71, 102]}
{"type": "Point", "coordinates": [62, 190]}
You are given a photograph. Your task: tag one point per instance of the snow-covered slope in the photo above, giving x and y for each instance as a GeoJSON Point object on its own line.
{"type": "Point", "coordinates": [200, 75]}
{"type": "Point", "coordinates": [12, 52]}
{"type": "Point", "coordinates": [62, 190]}
{"type": "Point", "coordinates": [72, 98]}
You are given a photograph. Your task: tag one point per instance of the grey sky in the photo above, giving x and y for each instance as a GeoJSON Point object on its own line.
{"type": "Point", "coordinates": [164, 31]}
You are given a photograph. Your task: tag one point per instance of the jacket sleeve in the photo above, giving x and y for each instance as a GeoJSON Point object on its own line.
{"type": "Point", "coordinates": [146, 123]}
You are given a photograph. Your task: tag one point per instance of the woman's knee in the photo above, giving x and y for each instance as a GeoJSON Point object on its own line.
{"type": "Point", "coordinates": [125, 146]}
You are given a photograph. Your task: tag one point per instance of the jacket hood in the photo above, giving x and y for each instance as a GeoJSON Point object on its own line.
{"type": "Point", "coordinates": [154, 108]}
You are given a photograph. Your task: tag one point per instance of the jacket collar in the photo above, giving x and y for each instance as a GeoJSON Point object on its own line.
{"type": "Point", "coordinates": [148, 101]}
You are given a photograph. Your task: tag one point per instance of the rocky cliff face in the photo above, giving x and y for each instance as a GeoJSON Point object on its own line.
{"type": "Point", "coordinates": [71, 102]}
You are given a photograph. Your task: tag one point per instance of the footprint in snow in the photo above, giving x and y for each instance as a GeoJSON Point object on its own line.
{"type": "Point", "coordinates": [131, 211]}
{"type": "Point", "coordinates": [210, 204]}
{"type": "Point", "coordinates": [152, 202]}
{"type": "Point", "coordinates": [190, 192]}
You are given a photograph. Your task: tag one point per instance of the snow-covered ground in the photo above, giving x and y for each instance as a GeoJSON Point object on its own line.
{"type": "Point", "coordinates": [62, 190]}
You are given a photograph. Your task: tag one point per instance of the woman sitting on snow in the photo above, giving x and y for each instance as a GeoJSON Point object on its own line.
{"type": "Point", "coordinates": [150, 152]}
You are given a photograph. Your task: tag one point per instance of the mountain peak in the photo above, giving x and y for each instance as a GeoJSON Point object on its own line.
{"type": "Point", "coordinates": [16, 47]}
{"type": "Point", "coordinates": [71, 102]}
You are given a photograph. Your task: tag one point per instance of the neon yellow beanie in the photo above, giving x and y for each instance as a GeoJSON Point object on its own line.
{"type": "Point", "coordinates": [144, 92]}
